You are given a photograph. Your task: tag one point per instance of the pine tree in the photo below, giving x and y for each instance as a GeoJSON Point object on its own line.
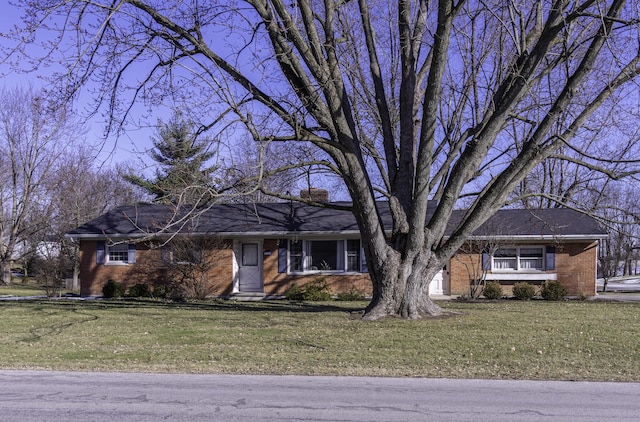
{"type": "Point", "coordinates": [181, 177]}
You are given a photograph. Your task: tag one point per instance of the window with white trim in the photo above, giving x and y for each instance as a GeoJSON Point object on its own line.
{"type": "Point", "coordinates": [354, 257]}
{"type": "Point", "coordinates": [523, 258]}
{"type": "Point", "coordinates": [322, 255]}
{"type": "Point", "coordinates": [295, 256]}
{"type": "Point", "coordinates": [118, 253]}
{"type": "Point", "coordinates": [325, 255]}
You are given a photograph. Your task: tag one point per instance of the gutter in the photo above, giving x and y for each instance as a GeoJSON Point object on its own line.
{"type": "Point", "coordinates": [323, 234]}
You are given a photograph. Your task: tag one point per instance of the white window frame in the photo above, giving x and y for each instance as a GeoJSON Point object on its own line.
{"type": "Point", "coordinates": [341, 259]}
{"type": "Point", "coordinates": [353, 253]}
{"type": "Point", "coordinates": [116, 249]}
{"type": "Point", "coordinates": [519, 259]}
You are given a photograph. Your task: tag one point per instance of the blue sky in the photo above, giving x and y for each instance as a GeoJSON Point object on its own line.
{"type": "Point", "coordinates": [128, 147]}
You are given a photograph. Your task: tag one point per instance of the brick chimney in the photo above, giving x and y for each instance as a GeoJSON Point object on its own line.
{"type": "Point", "coordinates": [315, 195]}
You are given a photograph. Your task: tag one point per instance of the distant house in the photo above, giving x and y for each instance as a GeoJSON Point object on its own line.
{"type": "Point", "coordinates": [263, 249]}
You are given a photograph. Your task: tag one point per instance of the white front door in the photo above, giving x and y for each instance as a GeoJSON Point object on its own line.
{"type": "Point", "coordinates": [249, 267]}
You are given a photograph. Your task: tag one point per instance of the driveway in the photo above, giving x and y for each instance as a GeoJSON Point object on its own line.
{"type": "Point", "coordinates": [621, 284]}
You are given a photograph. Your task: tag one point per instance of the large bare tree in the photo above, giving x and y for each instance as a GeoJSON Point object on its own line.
{"type": "Point", "coordinates": [81, 190]}
{"type": "Point", "coordinates": [409, 101]}
{"type": "Point", "coordinates": [32, 136]}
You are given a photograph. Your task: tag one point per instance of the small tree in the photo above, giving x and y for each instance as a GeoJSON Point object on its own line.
{"type": "Point", "coordinates": [189, 261]}
{"type": "Point", "coordinates": [50, 274]}
{"type": "Point", "coordinates": [473, 255]}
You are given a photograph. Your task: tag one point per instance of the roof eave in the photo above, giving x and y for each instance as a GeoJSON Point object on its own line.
{"type": "Point", "coordinates": [248, 234]}
{"type": "Point", "coordinates": [568, 237]}
{"type": "Point", "coordinates": [318, 233]}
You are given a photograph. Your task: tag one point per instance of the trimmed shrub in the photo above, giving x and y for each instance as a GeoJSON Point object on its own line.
{"type": "Point", "coordinates": [140, 290]}
{"type": "Point", "coordinates": [112, 289]}
{"type": "Point", "coordinates": [317, 290]}
{"type": "Point", "coordinates": [492, 290]}
{"type": "Point", "coordinates": [161, 291]}
{"type": "Point", "coordinates": [553, 290]}
{"type": "Point", "coordinates": [524, 291]}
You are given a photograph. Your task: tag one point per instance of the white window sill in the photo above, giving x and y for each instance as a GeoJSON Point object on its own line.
{"type": "Point", "coordinates": [324, 272]}
{"type": "Point", "coordinates": [516, 275]}
{"type": "Point", "coordinates": [116, 263]}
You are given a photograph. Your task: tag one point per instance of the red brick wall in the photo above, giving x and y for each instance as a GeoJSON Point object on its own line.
{"type": "Point", "coordinates": [462, 268]}
{"type": "Point", "coordinates": [277, 283]}
{"type": "Point", "coordinates": [575, 269]}
{"type": "Point", "coordinates": [150, 269]}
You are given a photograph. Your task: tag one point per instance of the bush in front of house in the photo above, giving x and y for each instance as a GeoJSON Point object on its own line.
{"type": "Point", "coordinates": [294, 292]}
{"type": "Point", "coordinates": [112, 289]}
{"type": "Point", "coordinates": [553, 290]}
{"type": "Point", "coordinates": [317, 290]}
{"type": "Point", "coordinates": [524, 291]}
{"type": "Point", "coordinates": [161, 291]}
{"type": "Point", "coordinates": [492, 290]}
{"type": "Point", "coordinates": [351, 296]}
{"type": "Point", "coordinates": [140, 290]}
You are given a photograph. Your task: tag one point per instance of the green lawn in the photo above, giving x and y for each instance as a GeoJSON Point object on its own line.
{"type": "Point", "coordinates": [515, 340]}
{"type": "Point", "coordinates": [26, 287]}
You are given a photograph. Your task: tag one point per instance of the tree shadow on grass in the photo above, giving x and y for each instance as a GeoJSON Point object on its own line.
{"type": "Point", "coordinates": [219, 305]}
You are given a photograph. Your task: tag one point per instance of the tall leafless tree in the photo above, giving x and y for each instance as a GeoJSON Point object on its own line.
{"type": "Point", "coordinates": [32, 136]}
{"type": "Point", "coordinates": [81, 190]}
{"type": "Point", "coordinates": [406, 100]}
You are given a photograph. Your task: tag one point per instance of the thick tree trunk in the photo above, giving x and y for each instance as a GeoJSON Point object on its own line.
{"type": "Point", "coordinates": [5, 273]}
{"type": "Point", "coordinates": [401, 289]}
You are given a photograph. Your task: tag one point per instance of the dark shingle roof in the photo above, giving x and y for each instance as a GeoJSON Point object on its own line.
{"type": "Point", "coordinates": [273, 219]}
{"type": "Point", "coordinates": [540, 222]}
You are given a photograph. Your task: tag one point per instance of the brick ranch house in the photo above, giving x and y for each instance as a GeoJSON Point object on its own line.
{"type": "Point", "coordinates": [263, 249]}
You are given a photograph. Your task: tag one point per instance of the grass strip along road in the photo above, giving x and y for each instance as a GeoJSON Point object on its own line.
{"type": "Point", "coordinates": [569, 340]}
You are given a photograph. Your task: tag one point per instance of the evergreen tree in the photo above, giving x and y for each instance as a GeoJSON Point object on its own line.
{"type": "Point", "coordinates": [181, 177]}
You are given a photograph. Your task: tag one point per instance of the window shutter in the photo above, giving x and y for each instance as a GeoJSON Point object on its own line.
{"type": "Point", "coordinates": [486, 261]}
{"type": "Point", "coordinates": [131, 259]}
{"type": "Point", "coordinates": [550, 258]}
{"type": "Point", "coordinates": [100, 249]}
{"type": "Point", "coordinates": [282, 256]}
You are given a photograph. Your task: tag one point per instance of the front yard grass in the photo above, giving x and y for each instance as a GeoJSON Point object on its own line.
{"type": "Point", "coordinates": [508, 339]}
{"type": "Point", "coordinates": [26, 287]}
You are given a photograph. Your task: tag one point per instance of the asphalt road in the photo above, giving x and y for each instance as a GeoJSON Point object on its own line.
{"type": "Point", "coordinates": [29, 396]}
